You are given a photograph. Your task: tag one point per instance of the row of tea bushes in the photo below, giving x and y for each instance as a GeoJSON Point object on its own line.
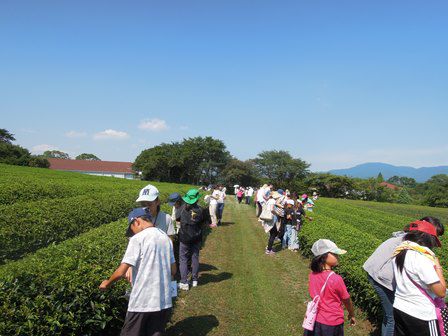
{"type": "Point", "coordinates": [31, 184]}
{"type": "Point", "coordinates": [26, 227]}
{"type": "Point", "coordinates": [55, 290]}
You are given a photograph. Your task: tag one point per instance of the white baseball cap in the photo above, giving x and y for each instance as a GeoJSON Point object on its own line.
{"type": "Point", "coordinates": [323, 246]}
{"type": "Point", "coordinates": [148, 194]}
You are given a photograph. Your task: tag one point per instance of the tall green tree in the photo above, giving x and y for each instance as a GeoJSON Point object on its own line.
{"type": "Point", "coordinates": [403, 181]}
{"type": "Point", "coordinates": [13, 154]}
{"type": "Point", "coordinates": [436, 191]}
{"type": "Point", "coordinates": [380, 177]}
{"type": "Point", "coordinates": [88, 157]}
{"type": "Point", "coordinates": [6, 136]}
{"type": "Point", "coordinates": [280, 168]}
{"type": "Point", "coordinates": [239, 172]}
{"type": "Point", "coordinates": [55, 154]}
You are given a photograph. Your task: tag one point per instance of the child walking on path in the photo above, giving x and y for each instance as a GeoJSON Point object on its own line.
{"type": "Point", "coordinates": [330, 314]}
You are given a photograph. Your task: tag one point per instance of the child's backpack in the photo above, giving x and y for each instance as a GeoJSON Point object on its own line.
{"type": "Point", "coordinates": [312, 308]}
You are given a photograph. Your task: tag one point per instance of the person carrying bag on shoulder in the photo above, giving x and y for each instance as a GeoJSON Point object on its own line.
{"type": "Point", "coordinates": [331, 293]}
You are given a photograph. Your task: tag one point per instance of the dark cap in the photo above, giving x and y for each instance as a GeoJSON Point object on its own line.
{"type": "Point", "coordinates": [133, 215]}
{"type": "Point", "coordinates": [173, 198]}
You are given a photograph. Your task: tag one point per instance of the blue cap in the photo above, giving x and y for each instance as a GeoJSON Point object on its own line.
{"type": "Point", "coordinates": [173, 198]}
{"type": "Point", "coordinates": [280, 191]}
{"type": "Point", "coordinates": [133, 215]}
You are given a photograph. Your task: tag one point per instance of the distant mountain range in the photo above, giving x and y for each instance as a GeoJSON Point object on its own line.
{"type": "Point", "coordinates": [372, 169]}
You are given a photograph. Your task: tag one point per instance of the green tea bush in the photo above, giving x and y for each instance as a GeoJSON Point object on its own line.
{"type": "Point", "coordinates": [26, 227]}
{"type": "Point", "coordinates": [55, 291]}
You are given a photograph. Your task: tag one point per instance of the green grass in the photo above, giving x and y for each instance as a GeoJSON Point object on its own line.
{"type": "Point", "coordinates": [241, 290]}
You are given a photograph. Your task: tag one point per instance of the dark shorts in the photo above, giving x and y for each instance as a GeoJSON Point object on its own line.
{"type": "Point", "coordinates": [325, 330]}
{"type": "Point", "coordinates": [407, 325]}
{"type": "Point", "coordinates": [145, 324]}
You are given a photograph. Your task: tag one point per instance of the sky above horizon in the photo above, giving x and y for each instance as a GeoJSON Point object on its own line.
{"type": "Point", "coordinates": [335, 83]}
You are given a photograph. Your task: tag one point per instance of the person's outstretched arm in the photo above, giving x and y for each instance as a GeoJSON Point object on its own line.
{"type": "Point", "coordinates": [119, 273]}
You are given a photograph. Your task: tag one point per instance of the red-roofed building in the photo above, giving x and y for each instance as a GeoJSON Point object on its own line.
{"type": "Point", "coordinates": [389, 185]}
{"type": "Point", "coordinates": [101, 168]}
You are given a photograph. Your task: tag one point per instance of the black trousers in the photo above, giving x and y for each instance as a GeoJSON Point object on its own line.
{"type": "Point", "coordinates": [259, 209]}
{"type": "Point", "coordinates": [407, 325]}
{"type": "Point", "coordinates": [325, 330]}
{"type": "Point", "coordinates": [272, 234]}
{"type": "Point", "coordinates": [145, 324]}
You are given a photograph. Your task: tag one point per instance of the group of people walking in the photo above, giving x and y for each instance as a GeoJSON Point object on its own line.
{"type": "Point", "coordinates": [404, 270]}
{"type": "Point", "coordinates": [281, 213]}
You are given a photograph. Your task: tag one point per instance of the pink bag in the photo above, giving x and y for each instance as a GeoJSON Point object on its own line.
{"type": "Point", "coordinates": [312, 307]}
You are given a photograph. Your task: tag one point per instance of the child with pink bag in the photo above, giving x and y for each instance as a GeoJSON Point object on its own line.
{"type": "Point", "coordinates": [329, 291]}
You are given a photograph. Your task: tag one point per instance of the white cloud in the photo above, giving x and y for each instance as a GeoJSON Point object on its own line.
{"type": "Point", "coordinates": [155, 125]}
{"type": "Point", "coordinates": [75, 134]}
{"type": "Point", "coordinates": [110, 134]}
{"type": "Point", "coordinates": [39, 149]}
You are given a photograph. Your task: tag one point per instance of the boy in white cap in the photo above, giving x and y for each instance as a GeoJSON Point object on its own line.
{"type": "Point", "coordinates": [149, 198]}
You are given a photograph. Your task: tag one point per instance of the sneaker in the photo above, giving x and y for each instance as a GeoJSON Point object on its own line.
{"type": "Point", "coordinates": [269, 252]}
{"type": "Point", "coordinates": [195, 283]}
{"type": "Point", "coordinates": [183, 286]}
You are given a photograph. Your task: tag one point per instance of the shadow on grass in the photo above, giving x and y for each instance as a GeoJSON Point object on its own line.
{"type": "Point", "coordinates": [206, 278]}
{"type": "Point", "coordinates": [226, 223]}
{"type": "Point", "coordinates": [206, 267]}
{"type": "Point", "coordinates": [193, 326]}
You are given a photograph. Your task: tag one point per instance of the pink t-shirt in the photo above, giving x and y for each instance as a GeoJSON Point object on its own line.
{"type": "Point", "coordinates": [330, 310]}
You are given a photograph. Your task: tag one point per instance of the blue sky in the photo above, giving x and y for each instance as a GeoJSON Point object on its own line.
{"type": "Point", "coordinates": [336, 83]}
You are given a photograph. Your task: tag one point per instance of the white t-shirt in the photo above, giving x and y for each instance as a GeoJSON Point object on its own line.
{"type": "Point", "coordinates": [250, 192]}
{"type": "Point", "coordinates": [164, 222]}
{"type": "Point", "coordinates": [222, 196]}
{"type": "Point", "coordinates": [150, 253]}
{"type": "Point", "coordinates": [260, 195]}
{"type": "Point", "coordinates": [408, 298]}
{"type": "Point", "coordinates": [216, 193]}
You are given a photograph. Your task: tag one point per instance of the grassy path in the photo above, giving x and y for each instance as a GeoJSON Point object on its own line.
{"type": "Point", "coordinates": [241, 290]}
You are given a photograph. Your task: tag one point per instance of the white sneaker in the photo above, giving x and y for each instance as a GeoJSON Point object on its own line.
{"type": "Point", "coordinates": [183, 286]}
{"type": "Point", "coordinates": [195, 283]}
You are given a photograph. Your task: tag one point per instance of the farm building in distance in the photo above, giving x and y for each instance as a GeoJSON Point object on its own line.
{"type": "Point", "coordinates": [100, 168]}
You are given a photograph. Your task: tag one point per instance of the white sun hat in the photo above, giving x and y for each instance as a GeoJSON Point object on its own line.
{"type": "Point", "coordinates": [148, 194]}
{"type": "Point", "coordinates": [323, 246]}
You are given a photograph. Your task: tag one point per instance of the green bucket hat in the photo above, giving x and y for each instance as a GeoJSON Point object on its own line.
{"type": "Point", "coordinates": [192, 196]}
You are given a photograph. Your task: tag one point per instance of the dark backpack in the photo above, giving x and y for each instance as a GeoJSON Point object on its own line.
{"type": "Point", "coordinates": [191, 220]}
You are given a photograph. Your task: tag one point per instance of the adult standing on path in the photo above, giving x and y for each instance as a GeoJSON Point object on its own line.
{"type": "Point", "coordinates": [213, 206]}
{"type": "Point", "coordinates": [271, 226]}
{"type": "Point", "coordinates": [221, 201]}
{"type": "Point", "coordinates": [249, 193]}
{"type": "Point", "coordinates": [190, 237]}
{"type": "Point", "coordinates": [262, 197]}
{"type": "Point", "coordinates": [150, 256]}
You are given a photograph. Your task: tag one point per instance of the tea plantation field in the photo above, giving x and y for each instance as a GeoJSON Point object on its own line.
{"type": "Point", "coordinates": [60, 235]}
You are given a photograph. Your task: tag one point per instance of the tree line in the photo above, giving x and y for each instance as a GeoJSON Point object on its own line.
{"type": "Point", "coordinates": [205, 160]}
